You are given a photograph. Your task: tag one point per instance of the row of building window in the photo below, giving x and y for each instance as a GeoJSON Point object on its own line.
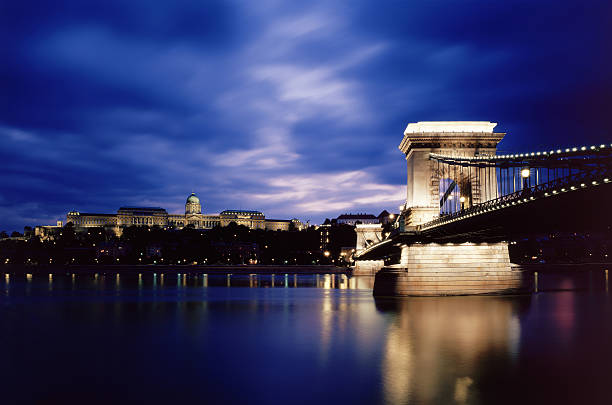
{"type": "Point", "coordinates": [91, 221]}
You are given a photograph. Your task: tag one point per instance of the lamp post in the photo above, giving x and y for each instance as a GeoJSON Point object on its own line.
{"type": "Point", "coordinates": [462, 200]}
{"type": "Point", "coordinates": [525, 175]}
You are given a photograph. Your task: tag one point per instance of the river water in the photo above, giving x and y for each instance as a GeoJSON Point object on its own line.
{"type": "Point", "coordinates": [303, 339]}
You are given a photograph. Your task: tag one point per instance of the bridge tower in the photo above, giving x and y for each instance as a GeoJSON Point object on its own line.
{"type": "Point", "coordinates": [427, 268]}
{"type": "Point", "coordinates": [367, 235]}
{"type": "Point", "coordinates": [425, 177]}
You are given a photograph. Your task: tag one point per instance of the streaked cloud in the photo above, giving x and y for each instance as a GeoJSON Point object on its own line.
{"type": "Point", "coordinates": [293, 109]}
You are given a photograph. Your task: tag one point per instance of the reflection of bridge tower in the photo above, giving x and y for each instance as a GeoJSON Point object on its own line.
{"type": "Point", "coordinates": [425, 176]}
{"type": "Point", "coordinates": [428, 334]}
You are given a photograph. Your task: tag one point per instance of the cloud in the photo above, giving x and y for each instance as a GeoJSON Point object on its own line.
{"type": "Point", "coordinates": [293, 109]}
{"type": "Point", "coordinates": [322, 192]}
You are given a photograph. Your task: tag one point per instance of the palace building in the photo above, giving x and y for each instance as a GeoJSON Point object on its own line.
{"type": "Point", "coordinates": [155, 216]}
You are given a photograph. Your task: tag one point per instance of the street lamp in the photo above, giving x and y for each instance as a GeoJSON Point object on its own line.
{"type": "Point", "coordinates": [525, 173]}
{"type": "Point", "coordinates": [462, 200]}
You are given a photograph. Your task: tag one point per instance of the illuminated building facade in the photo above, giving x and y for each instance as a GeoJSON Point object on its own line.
{"type": "Point", "coordinates": [354, 219]}
{"type": "Point", "coordinates": [250, 219]}
{"type": "Point", "coordinates": [155, 216]}
{"type": "Point", "coordinates": [284, 224]}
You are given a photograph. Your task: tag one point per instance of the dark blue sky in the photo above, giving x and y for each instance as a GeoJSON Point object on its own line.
{"type": "Point", "coordinates": [292, 109]}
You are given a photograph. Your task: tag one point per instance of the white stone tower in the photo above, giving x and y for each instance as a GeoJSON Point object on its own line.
{"type": "Point", "coordinates": [454, 138]}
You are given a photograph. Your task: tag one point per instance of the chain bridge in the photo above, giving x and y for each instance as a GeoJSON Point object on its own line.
{"type": "Point", "coordinates": [465, 202]}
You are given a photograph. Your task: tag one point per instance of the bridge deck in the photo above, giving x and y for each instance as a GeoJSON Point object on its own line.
{"type": "Point", "coordinates": [570, 210]}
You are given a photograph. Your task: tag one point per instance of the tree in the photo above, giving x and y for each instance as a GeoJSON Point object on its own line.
{"type": "Point", "coordinates": [15, 234]}
{"type": "Point", "coordinates": [3, 235]}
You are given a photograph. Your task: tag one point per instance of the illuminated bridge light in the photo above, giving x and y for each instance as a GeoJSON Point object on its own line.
{"type": "Point", "coordinates": [582, 185]}
{"type": "Point", "coordinates": [538, 153]}
{"type": "Point", "coordinates": [583, 148]}
{"type": "Point", "coordinates": [567, 150]}
{"type": "Point", "coordinates": [573, 188]}
{"type": "Point", "coordinates": [574, 149]}
{"type": "Point", "coordinates": [558, 150]}
{"type": "Point", "coordinates": [531, 198]}
{"type": "Point", "coordinates": [554, 191]}
{"type": "Point", "coordinates": [606, 180]}
{"type": "Point", "coordinates": [546, 194]}
{"type": "Point", "coordinates": [562, 189]}
{"type": "Point", "coordinates": [594, 183]}
{"type": "Point", "coordinates": [602, 146]}
{"type": "Point", "coordinates": [592, 147]}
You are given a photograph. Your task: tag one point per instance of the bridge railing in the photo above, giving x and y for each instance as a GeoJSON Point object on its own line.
{"type": "Point", "coordinates": [578, 180]}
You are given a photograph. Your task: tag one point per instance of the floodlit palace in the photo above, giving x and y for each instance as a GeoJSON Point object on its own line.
{"type": "Point", "coordinates": [155, 216]}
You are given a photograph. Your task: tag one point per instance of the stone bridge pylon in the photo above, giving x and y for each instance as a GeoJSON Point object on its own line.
{"type": "Point", "coordinates": [427, 268]}
{"type": "Point", "coordinates": [426, 183]}
{"type": "Point", "coordinates": [367, 235]}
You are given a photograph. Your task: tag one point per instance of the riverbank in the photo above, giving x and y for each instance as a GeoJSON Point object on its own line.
{"type": "Point", "coordinates": [177, 268]}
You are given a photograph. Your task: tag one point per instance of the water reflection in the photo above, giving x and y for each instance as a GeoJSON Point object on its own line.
{"type": "Point", "coordinates": [322, 336]}
{"type": "Point", "coordinates": [434, 346]}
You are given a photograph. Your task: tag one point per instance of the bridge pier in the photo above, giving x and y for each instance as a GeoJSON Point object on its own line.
{"type": "Point", "coordinates": [431, 269]}
{"type": "Point", "coordinates": [367, 267]}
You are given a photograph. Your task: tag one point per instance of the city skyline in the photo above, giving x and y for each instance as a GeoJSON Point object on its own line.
{"type": "Point", "coordinates": [295, 111]}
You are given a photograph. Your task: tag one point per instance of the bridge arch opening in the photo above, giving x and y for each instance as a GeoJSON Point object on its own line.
{"type": "Point", "coordinates": [449, 196]}
{"type": "Point", "coordinates": [455, 194]}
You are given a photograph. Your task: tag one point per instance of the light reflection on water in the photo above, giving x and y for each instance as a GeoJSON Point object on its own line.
{"type": "Point", "coordinates": [433, 345]}
{"type": "Point", "coordinates": [297, 339]}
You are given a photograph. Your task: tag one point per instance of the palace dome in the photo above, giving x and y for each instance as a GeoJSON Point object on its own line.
{"type": "Point", "coordinates": [193, 206]}
{"type": "Point", "coordinates": [193, 199]}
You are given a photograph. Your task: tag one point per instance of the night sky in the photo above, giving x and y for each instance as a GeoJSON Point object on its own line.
{"type": "Point", "coordinates": [292, 109]}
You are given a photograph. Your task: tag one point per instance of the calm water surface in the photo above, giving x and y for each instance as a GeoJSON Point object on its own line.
{"type": "Point", "coordinates": [296, 339]}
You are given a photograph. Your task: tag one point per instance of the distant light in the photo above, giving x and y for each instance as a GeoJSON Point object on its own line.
{"type": "Point", "coordinates": [525, 173]}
